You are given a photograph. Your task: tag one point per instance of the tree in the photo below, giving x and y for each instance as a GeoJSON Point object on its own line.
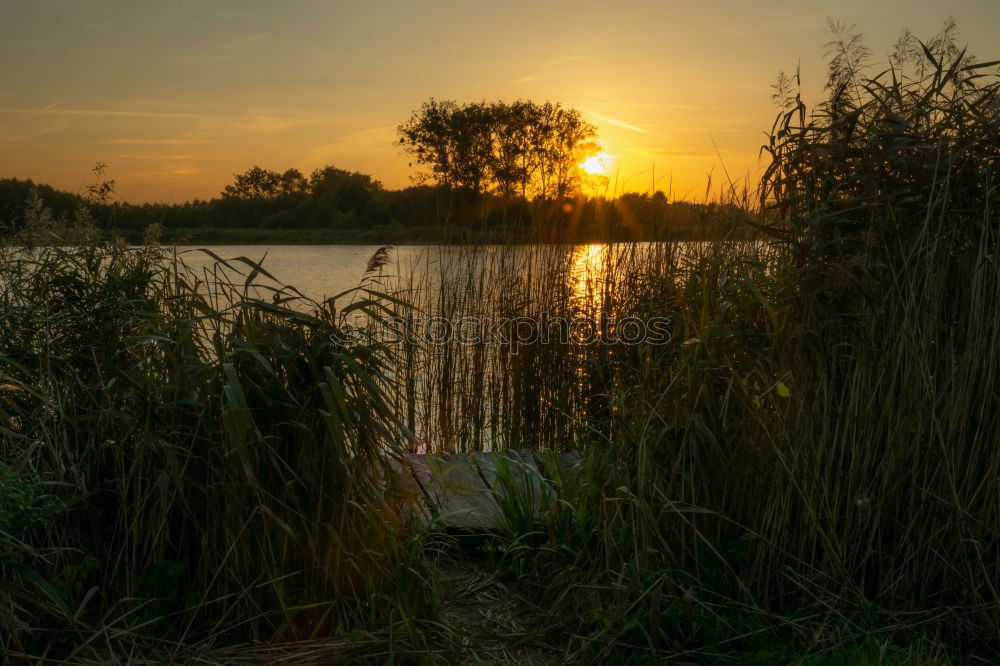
{"type": "Point", "coordinates": [428, 137]}
{"type": "Point", "coordinates": [513, 149]}
{"type": "Point", "coordinates": [292, 183]}
{"type": "Point", "coordinates": [342, 189]}
{"type": "Point", "coordinates": [568, 140]}
{"type": "Point", "coordinates": [255, 183]}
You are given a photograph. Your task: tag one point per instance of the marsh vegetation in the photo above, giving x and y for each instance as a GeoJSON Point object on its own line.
{"type": "Point", "coordinates": [195, 467]}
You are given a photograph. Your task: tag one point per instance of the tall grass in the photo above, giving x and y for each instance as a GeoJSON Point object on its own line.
{"type": "Point", "coordinates": [192, 457]}
{"type": "Point", "coordinates": [808, 466]}
{"type": "Point", "coordinates": [811, 464]}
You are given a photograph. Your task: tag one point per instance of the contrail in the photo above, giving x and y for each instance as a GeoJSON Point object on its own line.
{"type": "Point", "coordinates": [241, 42]}
{"type": "Point", "coordinates": [620, 123]}
{"type": "Point", "coordinates": [30, 113]}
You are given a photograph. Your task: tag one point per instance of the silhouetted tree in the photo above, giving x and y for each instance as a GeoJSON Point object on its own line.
{"type": "Point", "coordinates": [15, 194]}
{"type": "Point", "coordinates": [521, 148]}
{"type": "Point", "coordinates": [292, 183]}
{"type": "Point", "coordinates": [255, 183]}
{"type": "Point", "coordinates": [342, 189]}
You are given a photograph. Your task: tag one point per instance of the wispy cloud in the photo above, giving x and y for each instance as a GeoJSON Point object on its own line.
{"type": "Point", "coordinates": [671, 151]}
{"type": "Point", "coordinates": [53, 110]}
{"type": "Point", "coordinates": [690, 107]}
{"type": "Point", "coordinates": [165, 142]}
{"type": "Point", "coordinates": [185, 170]}
{"type": "Point", "coordinates": [150, 156]}
{"type": "Point", "coordinates": [263, 123]}
{"type": "Point", "coordinates": [619, 123]}
{"type": "Point", "coordinates": [29, 113]}
{"type": "Point", "coordinates": [355, 143]}
{"type": "Point", "coordinates": [564, 60]}
{"type": "Point", "coordinates": [33, 134]}
{"type": "Point", "coordinates": [241, 42]}
{"type": "Point", "coordinates": [717, 130]}
{"type": "Point", "coordinates": [250, 121]}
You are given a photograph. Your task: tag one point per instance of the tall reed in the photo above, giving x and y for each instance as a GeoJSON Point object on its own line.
{"type": "Point", "coordinates": [811, 462]}
{"type": "Point", "coordinates": [196, 456]}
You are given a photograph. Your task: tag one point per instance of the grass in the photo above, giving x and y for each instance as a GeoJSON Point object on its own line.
{"type": "Point", "coordinates": [194, 467]}
{"type": "Point", "coordinates": [812, 462]}
{"type": "Point", "coordinates": [214, 460]}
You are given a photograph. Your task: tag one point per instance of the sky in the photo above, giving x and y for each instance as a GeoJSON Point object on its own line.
{"type": "Point", "coordinates": [177, 96]}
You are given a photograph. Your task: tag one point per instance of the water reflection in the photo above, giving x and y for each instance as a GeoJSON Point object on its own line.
{"type": "Point", "coordinates": [586, 274]}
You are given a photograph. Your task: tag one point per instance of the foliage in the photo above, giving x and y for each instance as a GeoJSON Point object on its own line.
{"type": "Point", "coordinates": [807, 470]}
{"type": "Point", "coordinates": [15, 193]}
{"type": "Point", "coordinates": [351, 208]}
{"type": "Point", "coordinates": [187, 455]}
{"type": "Point", "coordinates": [512, 149]}
{"type": "Point", "coordinates": [258, 183]}
{"type": "Point", "coordinates": [886, 150]}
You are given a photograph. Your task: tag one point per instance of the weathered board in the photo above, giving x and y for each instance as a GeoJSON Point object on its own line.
{"type": "Point", "coordinates": [467, 490]}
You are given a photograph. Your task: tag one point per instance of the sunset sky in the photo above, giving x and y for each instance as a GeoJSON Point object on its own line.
{"type": "Point", "coordinates": [177, 96]}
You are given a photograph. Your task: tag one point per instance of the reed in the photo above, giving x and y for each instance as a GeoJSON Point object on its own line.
{"type": "Point", "coordinates": [189, 455]}
{"type": "Point", "coordinates": [196, 466]}
{"type": "Point", "coordinates": [809, 466]}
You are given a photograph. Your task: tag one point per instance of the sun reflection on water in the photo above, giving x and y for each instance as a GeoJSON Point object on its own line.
{"type": "Point", "coordinates": [587, 270]}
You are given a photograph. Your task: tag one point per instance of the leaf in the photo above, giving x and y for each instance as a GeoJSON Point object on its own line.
{"type": "Point", "coordinates": [783, 390]}
{"type": "Point", "coordinates": [980, 65]}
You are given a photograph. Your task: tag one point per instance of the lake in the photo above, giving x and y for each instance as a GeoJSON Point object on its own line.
{"type": "Point", "coordinates": [318, 271]}
{"type": "Point", "coordinates": [322, 271]}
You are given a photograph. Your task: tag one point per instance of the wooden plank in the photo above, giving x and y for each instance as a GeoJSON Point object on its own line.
{"type": "Point", "coordinates": [462, 490]}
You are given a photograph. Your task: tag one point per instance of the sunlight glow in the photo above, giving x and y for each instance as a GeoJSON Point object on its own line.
{"type": "Point", "coordinates": [586, 270]}
{"type": "Point", "coordinates": [596, 165]}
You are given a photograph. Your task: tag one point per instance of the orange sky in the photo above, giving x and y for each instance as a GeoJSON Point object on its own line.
{"type": "Point", "coordinates": [177, 96]}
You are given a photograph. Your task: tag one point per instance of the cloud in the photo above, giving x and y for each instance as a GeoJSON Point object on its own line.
{"type": "Point", "coordinates": [52, 110]}
{"type": "Point", "coordinates": [241, 42]}
{"type": "Point", "coordinates": [564, 60]}
{"type": "Point", "coordinates": [25, 136]}
{"type": "Point", "coordinates": [671, 151]}
{"type": "Point", "coordinates": [184, 170]}
{"type": "Point", "coordinates": [154, 156]}
{"type": "Point", "coordinates": [689, 107]}
{"type": "Point", "coordinates": [250, 122]}
{"type": "Point", "coordinates": [29, 113]}
{"type": "Point", "coordinates": [165, 142]}
{"type": "Point", "coordinates": [619, 123]}
{"type": "Point", "coordinates": [358, 141]}
{"type": "Point", "coordinates": [265, 123]}
{"type": "Point", "coordinates": [718, 130]}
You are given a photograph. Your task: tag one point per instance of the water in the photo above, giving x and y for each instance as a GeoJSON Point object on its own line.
{"type": "Point", "coordinates": [323, 271]}
{"type": "Point", "coordinates": [318, 271]}
{"type": "Point", "coordinates": [456, 394]}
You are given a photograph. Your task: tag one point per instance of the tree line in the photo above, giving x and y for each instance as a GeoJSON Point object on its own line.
{"type": "Point", "coordinates": [360, 210]}
{"type": "Point", "coordinates": [485, 167]}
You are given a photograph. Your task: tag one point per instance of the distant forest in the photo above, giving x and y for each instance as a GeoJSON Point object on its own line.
{"type": "Point", "coordinates": [489, 171]}
{"type": "Point", "coordinates": [338, 206]}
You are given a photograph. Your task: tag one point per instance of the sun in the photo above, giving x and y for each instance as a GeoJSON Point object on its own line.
{"type": "Point", "coordinates": [596, 165]}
